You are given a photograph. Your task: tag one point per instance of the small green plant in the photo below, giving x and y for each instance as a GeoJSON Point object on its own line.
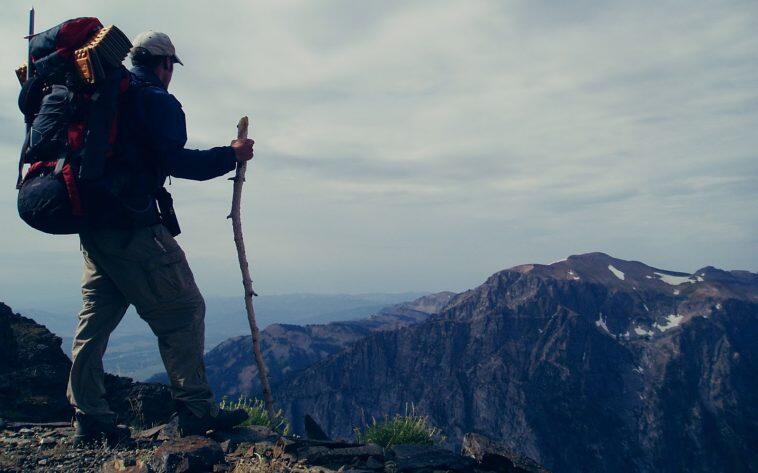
{"type": "Point", "coordinates": [408, 428]}
{"type": "Point", "coordinates": [258, 415]}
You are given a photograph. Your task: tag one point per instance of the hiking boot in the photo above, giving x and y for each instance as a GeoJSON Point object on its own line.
{"type": "Point", "coordinates": [190, 424]}
{"type": "Point", "coordinates": [91, 431]}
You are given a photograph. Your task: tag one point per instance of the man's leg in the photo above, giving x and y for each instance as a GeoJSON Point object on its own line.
{"type": "Point", "coordinates": [150, 269]}
{"type": "Point", "coordinates": [102, 309]}
{"type": "Point", "coordinates": [179, 325]}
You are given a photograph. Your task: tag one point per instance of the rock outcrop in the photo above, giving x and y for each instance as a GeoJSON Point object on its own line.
{"type": "Point", "coordinates": [33, 370]}
{"type": "Point", "coordinates": [588, 364]}
{"type": "Point", "coordinates": [34, 373]}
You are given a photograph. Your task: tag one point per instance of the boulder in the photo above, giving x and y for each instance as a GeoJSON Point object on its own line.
{"type": "Point", "coordinates": [142, 405]}
{"type": "Point", "coordinates": [151, 433]}
{"type": "Point", "coordinates": [496, 456]}
{"type": "Point", "coordinates": [427, 458]}
{"type": "Point", "coordinates": [125, 466]}
{"type": "Point", "coordinates": [188, 454]}
{"type": "Point", "coordinates": [313, 430]}
{"type": "Point", "coordinates": [250, 434]}
{"type": "Point", "coordinates": [170, 430]}
{"type": "Point", "coordinates": [365, 456]}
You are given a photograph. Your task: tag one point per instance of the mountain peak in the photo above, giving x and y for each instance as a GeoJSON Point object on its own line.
{"type": "Point", "coordinates": [635, 276]}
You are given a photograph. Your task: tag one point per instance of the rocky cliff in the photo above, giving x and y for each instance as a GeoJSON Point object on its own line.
{"type": "Point", "coordinates": [34, 373]}
{"type": "Point", "coordinates": [31, 361]}
{"type": "Point", "coordinates": [588, 364]}
{"type": "Point", "coordinates": [288, 349]}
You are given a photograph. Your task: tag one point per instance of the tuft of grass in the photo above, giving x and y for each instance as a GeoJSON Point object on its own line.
{"type": "Point", "coordinates": [258, 414]}
{"type": "Point", "coordinates": [408, 428]}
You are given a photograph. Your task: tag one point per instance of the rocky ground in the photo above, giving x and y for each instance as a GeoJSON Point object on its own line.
{"type": "Point", "coordinates": [47, 447]}
{"type": "Point", "coordinates": [33, 372]}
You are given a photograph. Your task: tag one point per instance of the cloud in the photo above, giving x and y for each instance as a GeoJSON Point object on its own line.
{"type": "Point", "coordinates": [422, 145]}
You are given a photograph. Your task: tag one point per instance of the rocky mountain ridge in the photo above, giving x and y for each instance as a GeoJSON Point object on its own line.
{"type": "Point", "coordinates": [588, 364]}
{"type": "Point", "coordinates": [289, 348]}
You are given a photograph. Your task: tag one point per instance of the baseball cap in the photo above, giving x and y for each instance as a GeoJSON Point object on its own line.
{"type": "Point", "coordinates": [156, 43]}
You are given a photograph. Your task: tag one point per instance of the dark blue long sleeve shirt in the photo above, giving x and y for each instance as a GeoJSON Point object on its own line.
{"type": "Point", "coordinates": [164, 134]}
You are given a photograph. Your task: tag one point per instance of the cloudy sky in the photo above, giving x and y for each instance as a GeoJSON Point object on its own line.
{"type": "Point", "coordinates": [422, 145]}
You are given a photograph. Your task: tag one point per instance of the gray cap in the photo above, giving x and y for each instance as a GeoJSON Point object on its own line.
{"type": "Point", "coordinates": [156, 43]}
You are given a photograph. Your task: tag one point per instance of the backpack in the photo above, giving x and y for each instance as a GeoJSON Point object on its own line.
{"type": "Point", "coordinates": [70, 103]}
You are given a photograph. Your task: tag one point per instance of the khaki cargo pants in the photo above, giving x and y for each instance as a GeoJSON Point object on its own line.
{"type": "Point", "coordinates": [144, 267]}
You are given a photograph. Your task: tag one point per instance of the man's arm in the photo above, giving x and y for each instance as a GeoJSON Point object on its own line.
{"type": "Point", "coordinates": [166, 132]}
{"type": "Point", "coordinates": [200, 165]}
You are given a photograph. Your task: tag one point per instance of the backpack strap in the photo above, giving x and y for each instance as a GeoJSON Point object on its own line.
{"type": "Point", "coordinates": [29, 100]}
{"type": "Point", "coordinates": [59, 165]}
{"type": "Point", "coordinates": [103, 109]}
{"type": "Point", "coordinates": [24, 147]}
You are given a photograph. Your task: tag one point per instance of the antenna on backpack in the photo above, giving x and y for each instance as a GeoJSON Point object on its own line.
{"type": "Point", "coordinates": [29, 53]}
{"type": "Point", "coordinates": [27, 118]}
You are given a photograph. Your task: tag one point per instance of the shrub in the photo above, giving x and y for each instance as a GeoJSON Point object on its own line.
{"type": "Point", "coordinates": [258, 414]}
{"type": "Point", "coordinates": [408, 428]}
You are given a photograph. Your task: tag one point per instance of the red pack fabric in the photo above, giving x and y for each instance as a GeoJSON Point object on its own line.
{"type": "Point", "coordinates": [73, 191]}
{"type": "Point", "coordinates": [74, 33]}
{"type": "Point", "coordinates": [63, 39]}
{"type": "Point", "coordinates": [76, 136]}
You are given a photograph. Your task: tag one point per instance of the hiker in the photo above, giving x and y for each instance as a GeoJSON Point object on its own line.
{"type": "Point", "coordinates": [138, 262]}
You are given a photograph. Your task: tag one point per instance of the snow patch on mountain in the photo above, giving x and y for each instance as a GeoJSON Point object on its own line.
{"type": "Point", "coordinates": [619, 274]}
{"type": "Point", "coordinates": [600, 322]}
{"type": "Point", "coordinates": [642, 332]}
{"type": "Point", "coordinates": [672, 321]}
{"type": "Point", "coordinates": [673, 280]}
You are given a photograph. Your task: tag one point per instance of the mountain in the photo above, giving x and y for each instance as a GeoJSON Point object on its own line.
{"type": "Point", "coordinates": [34, 373]}
{"type": "Point", "coordinates": [291, 348]}
{"type": "Point", "coordinates": [588, 364]}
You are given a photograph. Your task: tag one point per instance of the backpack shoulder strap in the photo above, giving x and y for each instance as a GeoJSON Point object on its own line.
{"type": "Point", "coordinates": [136, 96]}
{"type": "Point", "coordinates": [29, 100]}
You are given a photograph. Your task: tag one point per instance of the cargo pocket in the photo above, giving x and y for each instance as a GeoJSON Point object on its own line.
{"type": "Point", "coordinates": [168, 275]}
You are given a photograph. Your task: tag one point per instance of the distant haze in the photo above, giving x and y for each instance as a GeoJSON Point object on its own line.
{"type": "Point", "coordinates": [423, 145]}
{"type": "Point", "coordinates": [133, 349]}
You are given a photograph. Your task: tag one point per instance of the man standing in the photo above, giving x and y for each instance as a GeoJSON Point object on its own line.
{"type": "Point", "coordinates": [131, 258]}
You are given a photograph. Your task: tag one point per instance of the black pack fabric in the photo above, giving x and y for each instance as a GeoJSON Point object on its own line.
{"type": "Point", "coordinates": [30, 97]}
{"type": "Point", "coordinates": [125, 195]}
{"type": "Point", "coordinates": [43, 203]}
{"type": "Point", "coordinates": [48, 135]}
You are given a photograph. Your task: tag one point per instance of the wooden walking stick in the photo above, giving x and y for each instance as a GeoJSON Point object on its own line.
{"type": "Point", "coordinates": [247, 282]}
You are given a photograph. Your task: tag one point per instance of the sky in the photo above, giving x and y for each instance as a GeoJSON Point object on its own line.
{"type": "Point", "coordinates": [424, 145]}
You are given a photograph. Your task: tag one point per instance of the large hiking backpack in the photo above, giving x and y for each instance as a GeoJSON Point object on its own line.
{"type": "Point", "coordinates": [70, 103]}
